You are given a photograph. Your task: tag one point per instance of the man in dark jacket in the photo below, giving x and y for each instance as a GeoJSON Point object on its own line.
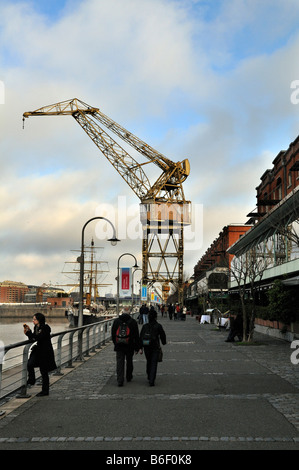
{"type": "Point", "coordinates": [150, 337]}
{"type": "Point", "coordinates": [125, 347]}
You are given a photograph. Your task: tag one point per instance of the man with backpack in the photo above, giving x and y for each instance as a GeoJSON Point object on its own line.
{"type": "Point", "coordinates": [125, 336]}
{"type": "Point", "coordinates": [150, 336]}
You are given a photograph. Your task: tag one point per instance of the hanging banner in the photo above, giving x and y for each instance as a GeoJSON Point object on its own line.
{"type": "Point", "coordinates": [143, 293]}
{"type": "Point", "coordinates": [125, 281]}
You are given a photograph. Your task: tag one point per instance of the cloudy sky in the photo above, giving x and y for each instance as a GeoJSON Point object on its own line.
{"type": "Point", "coordinates": [207, 80]}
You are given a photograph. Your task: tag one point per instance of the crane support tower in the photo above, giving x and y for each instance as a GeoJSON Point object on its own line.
{"type": "Point", "coordinates": [164, 211]}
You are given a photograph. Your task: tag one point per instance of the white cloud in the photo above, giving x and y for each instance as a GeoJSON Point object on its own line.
{"type": "Point", "coordinates": [189, 86]}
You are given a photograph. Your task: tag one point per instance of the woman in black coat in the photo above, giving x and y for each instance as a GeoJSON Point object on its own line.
{"type": "Point", "coordinates": [42, 354]}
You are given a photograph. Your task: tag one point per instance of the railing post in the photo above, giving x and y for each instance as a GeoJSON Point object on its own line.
{"type": "Point", "coordinates": [58, 355]}
{"type": "Point", "coordinates": [87, 331]}
{"type": "Point", "coordinates": [94, 329]}
{"type": "Point", "coordinates": [23, 391]}
{"type": "Point", "coordinates": [99, 337]}
{"type": "Point", "coordinates": [80, 357]}
{"type": "Point", "coordinates": [70, 351]}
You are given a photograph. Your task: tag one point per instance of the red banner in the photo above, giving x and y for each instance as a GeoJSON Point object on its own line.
{"type": "Point", "coordinates": [125, 280]}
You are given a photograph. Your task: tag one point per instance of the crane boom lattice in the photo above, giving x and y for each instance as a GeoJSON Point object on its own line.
{"type": "Point", "coordinates": [164, 209]}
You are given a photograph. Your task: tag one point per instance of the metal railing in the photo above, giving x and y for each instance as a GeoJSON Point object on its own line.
{"type": "Point", "coordinates": [69, 346]}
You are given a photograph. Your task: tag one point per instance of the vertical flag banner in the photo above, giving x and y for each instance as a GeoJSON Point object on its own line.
{"type": "Point", "coordinates": [125, 281]}
{"type": "Point", "coordinates": [143, 293]}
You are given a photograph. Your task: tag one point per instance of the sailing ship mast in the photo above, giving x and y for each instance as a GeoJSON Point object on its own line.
{"type": "Point", "coordinates": [92, 274]}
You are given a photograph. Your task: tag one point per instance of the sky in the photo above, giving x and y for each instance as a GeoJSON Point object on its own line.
{"type": "Point", "coordinates": [207, 80]}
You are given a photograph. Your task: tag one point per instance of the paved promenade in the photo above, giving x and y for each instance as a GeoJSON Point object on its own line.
{"type": "Point", "coordinates": [209, 394]}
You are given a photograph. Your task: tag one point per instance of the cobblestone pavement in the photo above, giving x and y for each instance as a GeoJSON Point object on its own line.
{"type": "Point", "coordinates": [209, 394]}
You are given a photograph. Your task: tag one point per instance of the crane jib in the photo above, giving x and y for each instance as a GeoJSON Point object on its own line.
{"type": "Point", "coordinates": [164, 208]}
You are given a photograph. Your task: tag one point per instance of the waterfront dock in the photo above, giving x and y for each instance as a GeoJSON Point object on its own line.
{"type": "Point", "coordinates": [209, 394]}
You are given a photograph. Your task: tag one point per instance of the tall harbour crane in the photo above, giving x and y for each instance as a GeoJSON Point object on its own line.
{"type": "Point", "coordinates": [164, 210]}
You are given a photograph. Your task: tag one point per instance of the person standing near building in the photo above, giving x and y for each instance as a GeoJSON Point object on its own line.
{"type": "Point", "coordinates": [150, 337]}
{"type": "Point", "coordinates": [170, 311]}
{"type": "Point", "coordinates": [42, 354]}
{"type": "Point", "coordinates": [125, 336]}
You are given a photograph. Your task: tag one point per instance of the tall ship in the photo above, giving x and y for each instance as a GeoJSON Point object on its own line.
{"type": "Point", "coordinates": [95, 273]}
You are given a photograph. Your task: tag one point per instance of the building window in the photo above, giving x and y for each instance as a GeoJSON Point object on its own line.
{"type": "Point", "coordinates": [278, 189]}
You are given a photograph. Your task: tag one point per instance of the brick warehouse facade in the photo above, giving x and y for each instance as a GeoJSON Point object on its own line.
{"type": "Point", "coordinates": [211, 272]}
{"type": "Point", "coordinates": [11, 291]}
{"type": "Point", "coordinates": [277, 182]}
{"type": "Point", "coordinates": [272, 234]}
{"type": "Point", "coordinates": [217, 254]}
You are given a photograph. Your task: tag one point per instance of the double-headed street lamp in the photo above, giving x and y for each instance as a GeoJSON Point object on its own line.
{"type": "Point", "coordinates": [80, 259]}
{"type": "Point", "coordinates": [135, 266]}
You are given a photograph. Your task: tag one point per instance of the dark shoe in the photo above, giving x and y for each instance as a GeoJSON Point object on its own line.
{"type": "Point", "coordinates": [129, 379]}
{"type": "Point", "coordinates": [30, 382]}
{"type": "Point", "coordinates": [120, 384]}
{"type": "Point", "coordinates": [42, 394]}
{"type": "Point", "coordinates": [151, 384]}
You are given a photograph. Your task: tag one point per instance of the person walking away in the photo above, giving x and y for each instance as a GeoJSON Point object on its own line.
{"type": "Point", "coordinates": [170, 311]}
{"type": "Point", "coordinates": [150, 337]}
{"type": "Point", "coordinates": [125, 336]}
{"type": "Point", "coordinates": [140, 316]}
{"type": "Point", "coordinates": [42, 354]}
{"type": "Point", "coordinates": [145, 313]}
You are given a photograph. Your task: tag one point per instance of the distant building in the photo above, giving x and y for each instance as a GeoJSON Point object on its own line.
{"type": "Point", "coordinates": [60, 301]}
{"type": "Point", "coordinates": [12, 292]}
{"type": "Point", "coordinates": [217, 254]}
{"type": "Point", "coordinates": [210, 278]}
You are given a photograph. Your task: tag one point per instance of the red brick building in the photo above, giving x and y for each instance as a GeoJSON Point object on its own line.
{"type": "Point", "coordinates": [216, 254]}
{"type": "Point", "coordinates": [12, 292]}
{"type": "Point", "coordinates": [278, 182]}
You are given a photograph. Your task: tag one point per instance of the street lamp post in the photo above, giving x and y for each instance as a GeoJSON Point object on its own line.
{"type": "Point", "coordinates": [135, 266]}
{"type": "Point", "coordinates": [138, 269]}
{"type": "Point", "coordinates": [80, 259]}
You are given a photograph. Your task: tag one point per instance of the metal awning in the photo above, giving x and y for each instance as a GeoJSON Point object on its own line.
{"type": "Point", "coordinates": [293, 281]}
{"type": "Point", "coordinates": [283, 214]}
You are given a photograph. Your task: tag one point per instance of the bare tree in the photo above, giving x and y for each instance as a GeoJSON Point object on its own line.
{"type": "Point", "coordinates": [247, 270]}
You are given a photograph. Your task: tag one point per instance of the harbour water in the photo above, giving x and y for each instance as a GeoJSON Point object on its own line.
{"type": "Point", "coordinates": [11, 329]}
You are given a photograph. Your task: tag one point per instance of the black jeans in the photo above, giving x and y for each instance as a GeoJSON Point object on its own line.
{"type": "Point", "coordinates": [32, 363]}
{"type": "Point", "coordinates": [152, 356]}
{"type": "Point", "coordinates": [124, 357]}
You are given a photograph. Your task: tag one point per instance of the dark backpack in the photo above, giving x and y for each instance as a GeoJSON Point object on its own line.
{"type": "Point", "coordinates": [149, 335]}
{"type": "Point", "coordinates": [122, 334]}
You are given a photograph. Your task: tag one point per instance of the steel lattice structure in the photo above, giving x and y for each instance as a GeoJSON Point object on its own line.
{"type": "Point", "coordinates": [164, 208]}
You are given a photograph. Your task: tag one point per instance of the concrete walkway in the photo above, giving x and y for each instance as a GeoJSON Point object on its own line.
{"type": "Point", "coordinates": [209, 394]}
